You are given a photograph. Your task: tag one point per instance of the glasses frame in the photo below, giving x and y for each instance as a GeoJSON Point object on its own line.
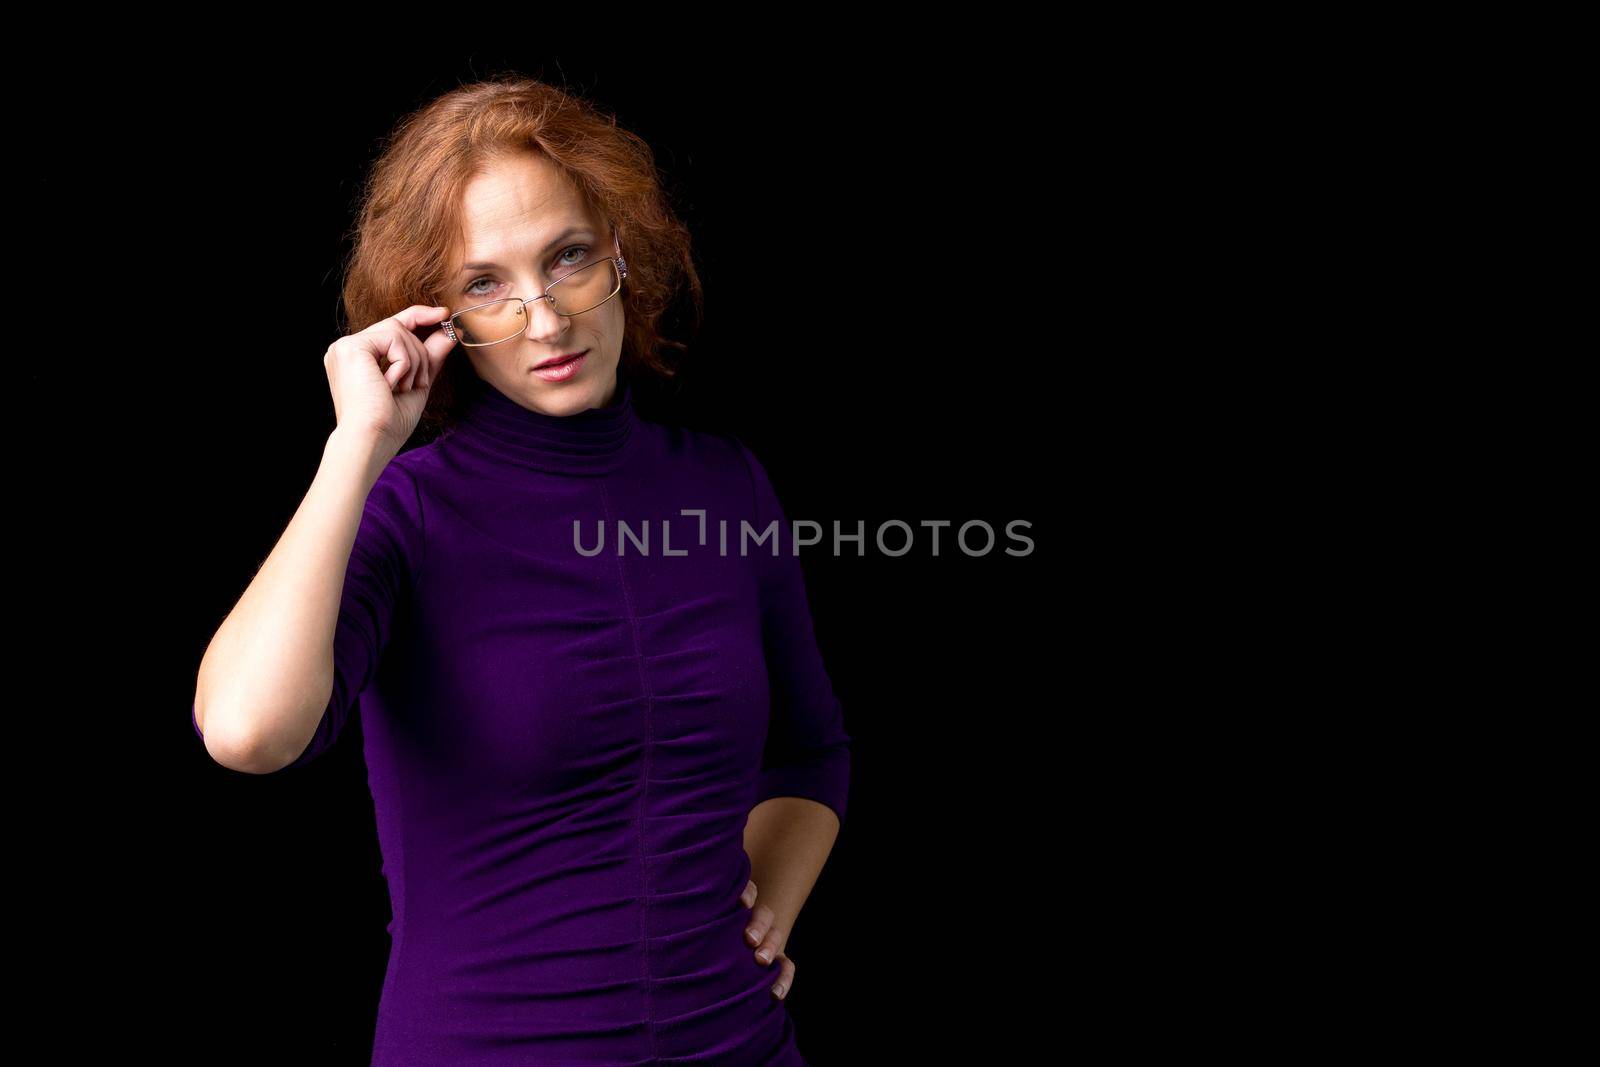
{"type": "Point", "coordinates": [452, 331]}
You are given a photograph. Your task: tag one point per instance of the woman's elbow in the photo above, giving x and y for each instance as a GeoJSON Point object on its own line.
{"type": "Point", "coordinates": [233, 742]}
{"type": "Point", "coordinates": [236, 751]}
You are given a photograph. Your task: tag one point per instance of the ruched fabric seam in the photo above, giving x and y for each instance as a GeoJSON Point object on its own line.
{"type": "Point", "coordinates": [644, 787]}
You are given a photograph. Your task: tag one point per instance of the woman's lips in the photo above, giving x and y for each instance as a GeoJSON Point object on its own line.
{"type": "Point", "coordinates": [563, 369]}
{"type": "Point", "coordinates": [562, 359]}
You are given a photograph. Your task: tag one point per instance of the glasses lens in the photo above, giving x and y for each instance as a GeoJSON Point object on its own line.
{"type": "Point", "coordinates": [585, 288]}
{"type": "Point", "coordinates": [492, 322]}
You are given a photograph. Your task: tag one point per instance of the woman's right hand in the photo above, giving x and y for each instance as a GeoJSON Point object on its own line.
{"type": "Point", "coordinates": [380, 376]}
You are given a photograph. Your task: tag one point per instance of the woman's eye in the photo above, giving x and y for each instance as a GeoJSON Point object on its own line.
{"type": "Point", "coordinates": [561, 261]}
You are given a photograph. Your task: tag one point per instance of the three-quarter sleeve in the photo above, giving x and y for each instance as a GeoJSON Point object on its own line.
{"type": "Point", "coordinates": [808, 751]}
{"type": "Point", "coordinates": [378, 579]}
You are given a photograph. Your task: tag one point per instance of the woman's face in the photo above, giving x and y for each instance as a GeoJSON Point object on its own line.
{"type": "Point", "coordinates": [525, 225]}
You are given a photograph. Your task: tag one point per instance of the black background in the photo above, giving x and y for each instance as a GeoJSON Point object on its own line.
{"type": "Point", "coordinates": [894, 257]}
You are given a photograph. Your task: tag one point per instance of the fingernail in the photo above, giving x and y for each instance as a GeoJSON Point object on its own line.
{"type": "Point", "coordinates": [764, 956]}
{"type": "Point", "coordinates": [778, 989]}
{"type": "Point", "coordinates": [753, 934]}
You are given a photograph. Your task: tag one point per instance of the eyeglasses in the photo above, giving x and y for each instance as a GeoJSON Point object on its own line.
{"type": "Point", "coordinates": [572, 294]}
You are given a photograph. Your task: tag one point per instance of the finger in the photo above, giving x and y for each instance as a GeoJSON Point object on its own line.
{"type": "Point", "coordinates": [419, 315]}
{"type": "Point", "coordinates": [438, 342]}
{"type": "Point", "coordinates": [403, 343]}
{"type": "Point", "coordinates": [758, 924]}
{"type": "Point", "coordinates": [400, 329]}
{"type": "Point", "coordinates": [388, 347]}
{"type": "Point", "coordinates": [398, 367]}
{"type": "Point", "coordinates": [771, 945]}
{"type": "Point", "coordinates": [418, 355]}
{"type": "Point", "coordinates": [434, 348]}
{"type": "Point", "coordinates": [785, 978]}
{"type": "Point", "coordinates": [748, 897]}
{"type": "Point", "coordinates": [425, 379]}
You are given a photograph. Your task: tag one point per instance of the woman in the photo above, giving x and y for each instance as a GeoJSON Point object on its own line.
{"type": "Point", "coordinates": [585, 764]}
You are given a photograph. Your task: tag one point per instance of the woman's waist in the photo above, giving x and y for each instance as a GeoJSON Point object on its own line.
{"type": "Point", "coordinates": [677, 963]}
{"type": "Point", "coordinates": [603, 898]}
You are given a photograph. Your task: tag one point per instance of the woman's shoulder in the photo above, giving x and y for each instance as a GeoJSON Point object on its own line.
{"type": "Point", "coordinates": [709, 449]}
{"type": "Point", "coordinates": [432, 463]}
{"type": "Point", "coordinates": [405, 482]}
{"type": "Point", "coordinates": [706, 457]}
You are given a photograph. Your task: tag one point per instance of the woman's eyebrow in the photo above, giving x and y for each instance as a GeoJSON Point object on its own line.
{"type": "Point", "coordinates": [570, 231]}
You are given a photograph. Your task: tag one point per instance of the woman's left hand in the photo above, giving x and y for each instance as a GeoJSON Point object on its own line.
{"type": "Point", "coordinates": [768, 939]}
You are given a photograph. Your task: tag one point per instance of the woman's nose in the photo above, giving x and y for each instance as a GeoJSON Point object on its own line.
{"type": "Point", "coordinates": [543, 322]}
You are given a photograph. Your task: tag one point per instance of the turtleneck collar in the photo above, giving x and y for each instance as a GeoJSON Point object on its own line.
{"type": "Point", "coordinates": [588, 442]}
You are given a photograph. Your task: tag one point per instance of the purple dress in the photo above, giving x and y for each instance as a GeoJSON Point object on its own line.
{"type": "Point", "coordinates": [563, 744]}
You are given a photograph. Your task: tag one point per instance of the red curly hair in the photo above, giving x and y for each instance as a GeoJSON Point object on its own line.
{"type": "Point", "coordinates": [408, 223]}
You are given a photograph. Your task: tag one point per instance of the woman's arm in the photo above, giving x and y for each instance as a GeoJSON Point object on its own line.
{"type": "Point", "coordinates": [804, 781]}
{"type": "Point", "coordinates": [788, 840]}
{"type": "Point", "coordinates": [268, 673]}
